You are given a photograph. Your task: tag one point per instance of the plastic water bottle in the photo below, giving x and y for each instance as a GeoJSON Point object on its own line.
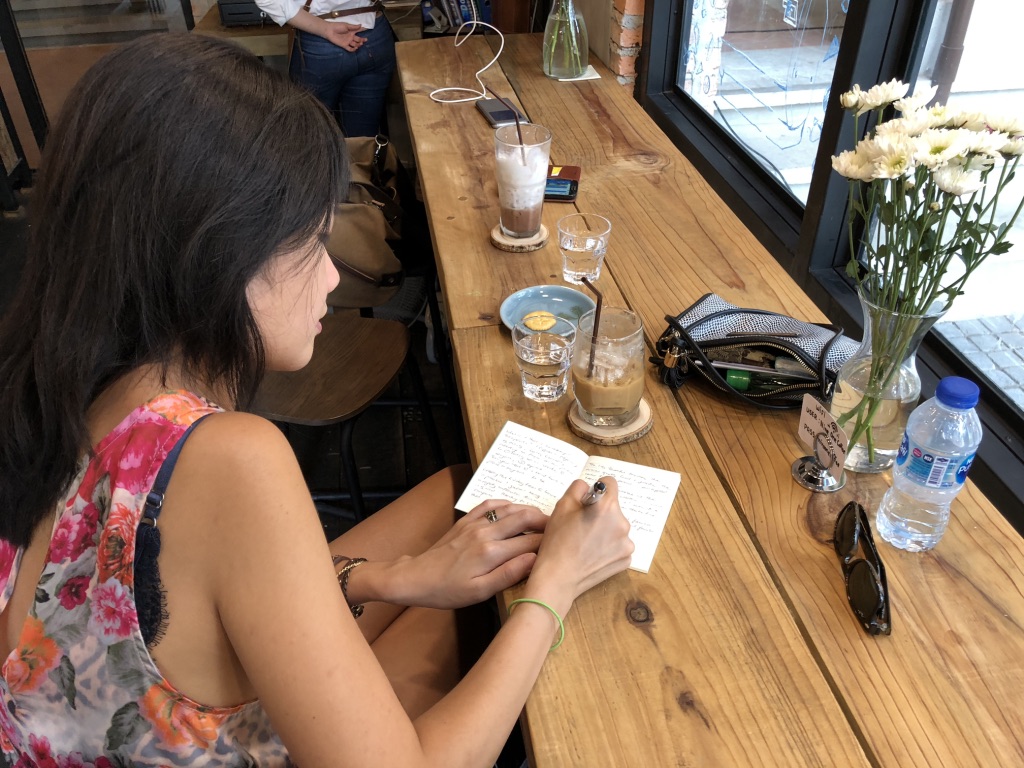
{"type": "Point", "coordinates": [936, 453]}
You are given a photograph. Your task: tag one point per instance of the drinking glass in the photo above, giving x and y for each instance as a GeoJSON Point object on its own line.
{"type": "Point", "coordinates": [608, 370]}
{"type": "Point", "coordinates": [522, 170]}
{"type": "Point", "coordinates": [583, 241]}
{"type": "Point", "coordinates": [543, 357]}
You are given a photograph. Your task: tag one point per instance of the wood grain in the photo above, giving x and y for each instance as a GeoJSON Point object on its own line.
{"type": "Point", "coordinates": [746, 573]}
{"type": "Point", "coordinates": [946, 687]}
{"type": "Point", "coordinates": [698, 662]}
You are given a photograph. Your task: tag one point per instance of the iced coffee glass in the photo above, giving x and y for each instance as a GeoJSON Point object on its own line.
{"type": "Point", "coordinates": [522, 169]}
{"type": "Point", "coordinates": [608, 370]}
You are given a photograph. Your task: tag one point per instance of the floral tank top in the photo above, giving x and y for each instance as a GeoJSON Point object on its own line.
{"type": "Point", "coordinates": [80, 689]}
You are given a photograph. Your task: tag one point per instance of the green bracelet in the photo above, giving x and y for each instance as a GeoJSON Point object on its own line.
{"type": "Point", "coordinates": [561, 626]}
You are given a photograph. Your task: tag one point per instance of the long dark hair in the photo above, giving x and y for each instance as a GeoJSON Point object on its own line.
{"type": "Point", "coordinates": [178, 168]}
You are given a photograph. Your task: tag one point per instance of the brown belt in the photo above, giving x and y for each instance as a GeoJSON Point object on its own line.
{"type": "Point", "coordinates": [374, 6]}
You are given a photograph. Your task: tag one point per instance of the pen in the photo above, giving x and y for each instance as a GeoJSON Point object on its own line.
{"type": "Point", "coordinates": [594, 494]}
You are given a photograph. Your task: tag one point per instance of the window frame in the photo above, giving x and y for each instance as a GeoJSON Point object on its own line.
{"type": "Point", "coordinates": [880, 41]}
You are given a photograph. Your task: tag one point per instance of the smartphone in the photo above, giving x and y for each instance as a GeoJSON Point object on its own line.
{"type": "Point", "coordinates": [498, 114]}
{"type": "Point", "coordinates": [562, 184]}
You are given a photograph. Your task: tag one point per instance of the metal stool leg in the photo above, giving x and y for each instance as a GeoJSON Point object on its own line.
{"type": "Point", "coordinates": [424, 402]}
{"type": "Point", "coordinates": [350, 469]}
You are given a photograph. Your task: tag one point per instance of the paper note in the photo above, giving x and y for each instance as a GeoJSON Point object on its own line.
{"type": "Point", "coordinates": [529, 467]}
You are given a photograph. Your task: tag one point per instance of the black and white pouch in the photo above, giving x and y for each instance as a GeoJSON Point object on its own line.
{"type": "Point", "coordinates": [760, 357]}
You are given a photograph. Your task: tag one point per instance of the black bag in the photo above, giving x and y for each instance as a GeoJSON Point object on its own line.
{"type": "Point", "coordinates": [788, 357]}
{"type": "Point", "coordinates": [368, 227]}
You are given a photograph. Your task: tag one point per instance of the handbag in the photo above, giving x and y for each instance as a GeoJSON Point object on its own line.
{"type": "Point", "coordinates": [368, 226]}
{"type": "Point", "coordinates": [775, 358]}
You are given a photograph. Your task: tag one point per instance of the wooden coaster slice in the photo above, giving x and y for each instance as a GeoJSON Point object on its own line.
{"type": "Point", "coordinates": [627, 433]}
{"type": "Point", "coordinates": [518, 244]}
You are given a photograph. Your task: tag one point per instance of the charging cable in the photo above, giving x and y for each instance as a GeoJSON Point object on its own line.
{"type": "Point", "coordinates": [460, 38]}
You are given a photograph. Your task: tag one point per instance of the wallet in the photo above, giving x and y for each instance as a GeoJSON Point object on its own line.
{"type": "Point", "coordinates": [775, 358]}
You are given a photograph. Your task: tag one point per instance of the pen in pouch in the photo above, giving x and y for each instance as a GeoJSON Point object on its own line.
{"type": "Point", "coordinates": [594, 494]}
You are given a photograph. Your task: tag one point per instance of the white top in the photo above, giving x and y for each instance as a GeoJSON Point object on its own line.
{"type": "Point", "coordinates": [283, 10]}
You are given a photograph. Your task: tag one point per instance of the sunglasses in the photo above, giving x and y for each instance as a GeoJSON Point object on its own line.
{"type": "Point", "coordinates": [866, 587]}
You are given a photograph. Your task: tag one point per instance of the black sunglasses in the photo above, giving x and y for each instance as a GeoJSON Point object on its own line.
{"type": "Point", "coordinates": [866, 587]}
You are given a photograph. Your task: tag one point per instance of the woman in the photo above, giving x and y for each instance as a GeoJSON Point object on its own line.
{"type": "Point", "coordinates": [344, 52]}
{"type": "Point", "coordinates": [165, 274]}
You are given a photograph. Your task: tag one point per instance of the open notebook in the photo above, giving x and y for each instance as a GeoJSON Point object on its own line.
{"type": "Point", "coordinates": [529, 467]}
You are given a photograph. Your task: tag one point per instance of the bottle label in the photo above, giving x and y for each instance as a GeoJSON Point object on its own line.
{"type": "Point", "coordinates": [931, 468]}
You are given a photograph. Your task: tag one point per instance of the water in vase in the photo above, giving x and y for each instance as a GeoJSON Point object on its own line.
{"type": "Point", "coordinates": [889, 421]}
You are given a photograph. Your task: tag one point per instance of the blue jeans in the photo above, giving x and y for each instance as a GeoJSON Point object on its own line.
{"type": "Point", "coordinates": [352, 85]}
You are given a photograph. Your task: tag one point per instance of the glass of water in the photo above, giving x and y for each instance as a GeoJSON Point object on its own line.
{"type": "Point", "coordinates": [583, 241]}
{"type": "Point", "coordinates": [543, 355]}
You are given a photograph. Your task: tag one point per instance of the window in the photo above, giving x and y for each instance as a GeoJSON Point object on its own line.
{"type": "Point", "coordinates": [763, 71]}
{"type": "Point", "coordinates": [748, 89]}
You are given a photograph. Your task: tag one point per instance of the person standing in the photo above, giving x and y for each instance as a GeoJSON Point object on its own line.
{"type": "Point", "coordinates": [344, 52]}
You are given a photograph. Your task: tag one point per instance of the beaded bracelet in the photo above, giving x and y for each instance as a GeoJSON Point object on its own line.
{"type": "Point", "coordinates": [561, 626]}
{"type": "Point", "coordinates": [357, 610]}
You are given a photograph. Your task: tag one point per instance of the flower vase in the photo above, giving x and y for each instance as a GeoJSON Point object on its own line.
{"type": "Point", "coordinates": [566, 51]}
{"type": "Point", "coordinates": [878, 387]}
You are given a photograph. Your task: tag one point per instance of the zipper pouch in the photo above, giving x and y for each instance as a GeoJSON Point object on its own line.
{"type": "Point", "coordinates": [761, 357]}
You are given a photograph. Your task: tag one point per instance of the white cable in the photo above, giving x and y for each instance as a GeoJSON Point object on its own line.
{"type": "Point", "coordinates": [482, 93]}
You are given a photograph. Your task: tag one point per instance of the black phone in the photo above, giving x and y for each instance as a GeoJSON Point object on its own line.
{"type": "Point", "coordinates": [562, 184]}
{"type": "Point", "coordinates": [561, 190]}
{"type": "Point", "coordinates": [498, 114]}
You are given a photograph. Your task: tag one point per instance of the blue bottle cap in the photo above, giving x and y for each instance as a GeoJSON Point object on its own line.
{"type": "Point", "coordinates": [957, 392]}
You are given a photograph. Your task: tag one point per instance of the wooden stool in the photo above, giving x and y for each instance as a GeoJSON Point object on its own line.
{"type": "Point", "coordinates": [354, 361]}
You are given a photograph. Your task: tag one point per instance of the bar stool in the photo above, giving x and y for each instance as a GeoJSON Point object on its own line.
{"type": "Point", "coordinates": [355, 360]}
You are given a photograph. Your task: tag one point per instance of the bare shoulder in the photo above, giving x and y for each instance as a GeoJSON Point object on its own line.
{"type": "Point", "coordinates": [237, 481]}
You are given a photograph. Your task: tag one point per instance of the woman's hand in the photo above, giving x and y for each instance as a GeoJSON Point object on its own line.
{"type": "Point", "coordinates": [491, 548]}
{"type": "Point", "coordinates": [582, 546]}
{"type": "Point", "coordinates": [344, 35]}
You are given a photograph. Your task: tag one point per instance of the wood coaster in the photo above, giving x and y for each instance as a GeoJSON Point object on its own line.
{"type": "Point", "coordinates": [518, 244]}
{"type": "Point", "coordinates": [627, 433]}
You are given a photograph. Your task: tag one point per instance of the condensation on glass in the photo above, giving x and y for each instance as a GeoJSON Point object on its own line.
{"type": "Point", "coordinates": [763, 70]}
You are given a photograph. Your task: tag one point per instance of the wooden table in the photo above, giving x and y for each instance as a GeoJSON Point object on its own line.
{"type": "Point", "coordinates": [266, 40]}
{"type": "Point", "coordinates": [739, 647]}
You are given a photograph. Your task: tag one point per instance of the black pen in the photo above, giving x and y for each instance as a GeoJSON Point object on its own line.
{"type": "Point", "coordinates": [594, 494]}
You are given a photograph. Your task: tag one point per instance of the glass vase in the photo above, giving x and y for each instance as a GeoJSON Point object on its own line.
{"type": "Point", "coordinates": [878, 387]}
{"type": "Point", "coordinates": [566, 51]}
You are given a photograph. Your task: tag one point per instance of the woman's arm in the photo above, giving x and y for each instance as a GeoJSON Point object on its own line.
{"type": "Point", "coordinates": [473, 560]}
{"type": "Point", "coordinates": [271, 580]}
{"type": "Point", "coordinates": [295, 15]}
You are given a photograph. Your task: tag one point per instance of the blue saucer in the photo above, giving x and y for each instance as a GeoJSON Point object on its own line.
{"type": "Point", "coordinates": [559, 300]}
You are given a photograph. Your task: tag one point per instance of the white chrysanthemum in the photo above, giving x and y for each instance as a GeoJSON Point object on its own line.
{"type": "Point", "coordinates": [895, 157]}
{"type": "Point", "coordinates": [937, 146]}
{"type": "Point", "coordinates": [918, 101]}
{"type": "Point", "coordinates": [940, 116]}
{"type": "Point", "coordinates": [851, 99]}
{"type": "Point", "coordinates": [957, 180]}
{"type": "Point", "coordinates": [882, 94]}
{"type": "Point", "coordinates": [913, 124]}
{"type": "Point", "coordinates": [1014, 146]}
{"type": "Point", "coordinates": [1005, 124]}
{"type": "Point", "coordinates": [853, 165]}
{"type": "Point", "coordinates": [972, 121]}
{"type": "Point", "coordinates": [984, 143]}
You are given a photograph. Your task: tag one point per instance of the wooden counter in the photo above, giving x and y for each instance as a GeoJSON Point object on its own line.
{"type": "Point", "coordinates": [266, 40]}
{"type": "Point", "coordinates": [753, 655]}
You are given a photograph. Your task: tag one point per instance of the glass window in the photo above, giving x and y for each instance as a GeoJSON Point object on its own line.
{"type": "Point", "coordinates": [986, 323]}
{"type": "Point", "coordinates": [63, 39]}
{"type": "Point", "coordinates": [763, 71]}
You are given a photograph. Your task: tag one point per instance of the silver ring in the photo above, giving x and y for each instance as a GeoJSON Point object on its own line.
{"type": "Point", "coordinates": [491, 515]}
